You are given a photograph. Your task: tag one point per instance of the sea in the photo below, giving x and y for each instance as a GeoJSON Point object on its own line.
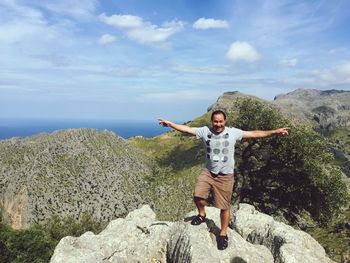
{"type": "Point", "coordinates": [125, 128]}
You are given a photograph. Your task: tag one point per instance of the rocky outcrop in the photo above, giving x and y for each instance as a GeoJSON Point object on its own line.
{"type": "Point", "coordinates": [285, 243]}
{"type": "Point", "coordinates": [139, 237]}
{"type": "Point", "coordinates": [68, 173]}
{"type": "Point", "coordinates": [227, 101]}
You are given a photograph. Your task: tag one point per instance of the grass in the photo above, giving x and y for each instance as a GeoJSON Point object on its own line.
{"type": "Point", "coordinates": [179, 161]}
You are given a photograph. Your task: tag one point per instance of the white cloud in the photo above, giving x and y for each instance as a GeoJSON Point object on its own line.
{"type": "Point", "coordinates": [292, 62]}
{"type": "Point", "coordinates": [178, 95]}
{"type": "Point", "coordinates": [241, 50]}
{"type": "Point", "coordinates": [76, 9]}
{"type": "Point", "coordinates": [140, 31]}
{"type": "Point", "coordinates": [212, 69]}
{"type": "Point", "coordinates": [337, 50]}
{"type": "Point", "coordinates": [106, 39]}
{"type": "Point", "coordinates": [153, 34]}
{"type": "Point", "coordinates": [122, 21]}
{"type": "Point", "coordinates": [336, 76]}
{"type": "Point", "coordinates": [29, 26]}
{"type": "Point", "coordinates": [207, 23]}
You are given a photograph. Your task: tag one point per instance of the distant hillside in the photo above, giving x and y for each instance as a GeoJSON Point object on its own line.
{"type": "Point", "coordinates": [329, 108]}
{"type": "Point", "coordinates": [70, 172]}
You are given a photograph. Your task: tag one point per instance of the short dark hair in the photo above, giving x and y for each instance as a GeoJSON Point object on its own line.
{"type": "Point", "coordinates": [218, 112]}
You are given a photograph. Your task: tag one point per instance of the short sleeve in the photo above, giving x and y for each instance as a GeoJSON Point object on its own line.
{"type": "Point", "coordinates": [201, 132]}
{"type": "Point", "coordinates": [237, 133]}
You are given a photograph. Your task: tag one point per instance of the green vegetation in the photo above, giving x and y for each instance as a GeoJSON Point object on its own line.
{"type": "Point", "coordinates": [290, 174]}
{"type": "Point", "coordinates": [179, 159]}
{"type": "Point", "coordinates": [334, 237]}
{"type": "Point", "coordinates": [37, 243]}
{"type": "Point", "coordinates": [294, 176]}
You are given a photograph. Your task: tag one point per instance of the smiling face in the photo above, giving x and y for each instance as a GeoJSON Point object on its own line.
{"type": "Point", "coordinates": [218, 122]}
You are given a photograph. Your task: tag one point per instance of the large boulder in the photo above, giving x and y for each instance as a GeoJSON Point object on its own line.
{"type": "Point", "coordinates": [139, 237]}
{"type": "Point", "coordinates": [287, 244]}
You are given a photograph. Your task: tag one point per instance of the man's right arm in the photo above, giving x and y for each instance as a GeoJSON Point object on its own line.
{"type": "Point", "coordinates": [178, 127]}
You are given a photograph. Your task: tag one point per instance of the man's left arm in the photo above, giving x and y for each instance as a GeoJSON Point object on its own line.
{"type": "Point", "coordinates": [262, 134]}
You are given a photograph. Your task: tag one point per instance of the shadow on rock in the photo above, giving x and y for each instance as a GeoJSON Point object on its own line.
{"type": "Point", "coordinates": [212, 227]}
{"type": "Point", "coordinates": [238, 260]}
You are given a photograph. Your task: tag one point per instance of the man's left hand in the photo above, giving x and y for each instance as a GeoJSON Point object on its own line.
{"type": "Point", "coordinates": [281, 131]}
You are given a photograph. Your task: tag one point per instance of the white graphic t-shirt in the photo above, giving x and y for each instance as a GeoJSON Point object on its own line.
{"type": "Point", "coordinates": [220, 148]}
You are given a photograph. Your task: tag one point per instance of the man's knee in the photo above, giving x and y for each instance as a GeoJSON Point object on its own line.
{"type": "Point", "coordinates": [199, 200]}
{"type": "Point", "coordinates": [224, 211]}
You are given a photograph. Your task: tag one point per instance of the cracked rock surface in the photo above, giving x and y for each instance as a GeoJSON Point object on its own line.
{"type": "Point", "coordinates": [139, 237]}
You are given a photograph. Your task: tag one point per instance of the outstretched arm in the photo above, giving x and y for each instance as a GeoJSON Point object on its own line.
{"type": "Point", "coordinates": [178, 127]}
{"type": "Point", "coordinates": [262, 134]}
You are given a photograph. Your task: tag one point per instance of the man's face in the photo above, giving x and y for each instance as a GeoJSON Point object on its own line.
{"type": "Point", "coordinates": [218, 122]}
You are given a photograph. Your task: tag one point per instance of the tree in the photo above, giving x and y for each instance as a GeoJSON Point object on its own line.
{"type": "Point", "coordinates": [291, 173]}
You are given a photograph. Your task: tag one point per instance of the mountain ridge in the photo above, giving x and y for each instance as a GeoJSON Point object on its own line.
{"type": "Point", "coordinates": [86, 171]}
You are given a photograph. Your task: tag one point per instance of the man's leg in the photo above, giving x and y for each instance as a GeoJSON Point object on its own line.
{"type": "Point", "coordinates": [200, 203]}
{"type": "Point", "coordinates": [222, 190]}
{"type": "Point", "coordinates": [200, 218]}
{"type": "Point", "coordinates": [201, 191]}
{"type": "Point", "coordinates": [225, 220]}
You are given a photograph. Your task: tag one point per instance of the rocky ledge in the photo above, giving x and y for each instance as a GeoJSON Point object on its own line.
{"type": "Point", "coordinates": [139, 237]}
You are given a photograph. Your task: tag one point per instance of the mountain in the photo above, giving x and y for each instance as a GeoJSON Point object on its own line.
{"type": "Point", "coordinates": [329, 108]}
{"type": "Point", "coordinates": [71, 172]}
{"type": "Point", "coordinates": [228, 101]}
{"type": "Point", "coordinates": [139, 237]}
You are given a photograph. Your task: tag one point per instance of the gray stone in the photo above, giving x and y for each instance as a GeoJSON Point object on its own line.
{"type": "Point", "coordinates": [137, 238]}
{"type": "Point", "coordinates": [285, 243]}
{"type": "Point", "coordinates": [140, 238]}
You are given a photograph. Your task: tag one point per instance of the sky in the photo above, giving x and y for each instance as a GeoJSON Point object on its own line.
{"type": "Point", "coordinates": [145, 59]}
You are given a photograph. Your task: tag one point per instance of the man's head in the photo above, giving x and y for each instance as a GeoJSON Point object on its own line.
{"type": "Point", "coordinates": [218, 120]}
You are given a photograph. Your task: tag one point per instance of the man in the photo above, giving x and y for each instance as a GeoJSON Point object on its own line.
{"type": "Point", "coordinates": [219, 142]}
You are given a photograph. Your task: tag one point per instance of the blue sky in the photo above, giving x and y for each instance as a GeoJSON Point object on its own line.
{"type": "Point", "coordinates": [143, 59]}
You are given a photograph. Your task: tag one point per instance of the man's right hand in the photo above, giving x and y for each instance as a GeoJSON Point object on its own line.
{"type": "Point", "coordinates": [164, 123]}
{"type": "Point", "coordinates": [178, 127]}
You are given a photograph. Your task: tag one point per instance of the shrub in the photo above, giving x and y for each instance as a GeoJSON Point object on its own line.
{"type": "Point", "coordinates": [291, 173]}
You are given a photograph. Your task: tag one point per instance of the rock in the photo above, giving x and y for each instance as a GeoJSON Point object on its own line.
{"type": "Point", "coordinates": [285, 243]}
{"type": "Point", "coordinates": [137, 238]}
{"type": "Point", "coordinates": [141, 238]}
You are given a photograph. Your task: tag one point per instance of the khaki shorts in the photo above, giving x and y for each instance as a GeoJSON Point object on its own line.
{"type": "Point", "coordinates": [222, 186]}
